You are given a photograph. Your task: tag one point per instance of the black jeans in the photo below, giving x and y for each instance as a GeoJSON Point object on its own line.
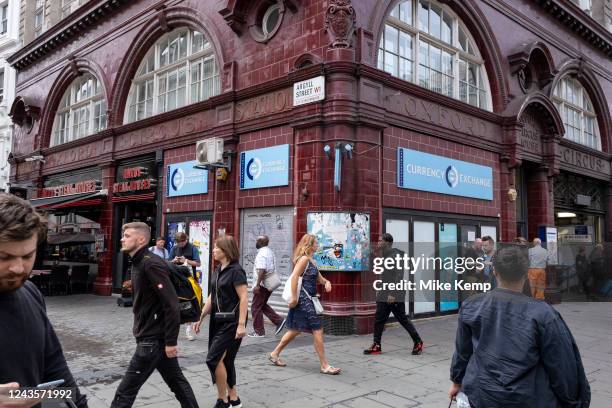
{"type": "Point", "coordinates": [151, 355]}
{"type": "Point", "coordinates": [383, 310]}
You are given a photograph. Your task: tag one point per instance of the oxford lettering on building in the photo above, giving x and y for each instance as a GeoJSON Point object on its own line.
{"type": "Point", "coordinates": [455, 131]}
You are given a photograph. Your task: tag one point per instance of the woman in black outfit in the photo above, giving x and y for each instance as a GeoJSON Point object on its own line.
{"type": "Point", "coordinates": [228, 294]}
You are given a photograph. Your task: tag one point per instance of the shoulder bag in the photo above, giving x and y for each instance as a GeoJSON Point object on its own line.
{"type": "Point", "coordinates": [316, 302]}
{"type": "Point", "coordinates": [223, 317]}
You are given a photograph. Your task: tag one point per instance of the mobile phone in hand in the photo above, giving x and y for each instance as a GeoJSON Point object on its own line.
{"type": "Point", "coordinates": [50, 385]}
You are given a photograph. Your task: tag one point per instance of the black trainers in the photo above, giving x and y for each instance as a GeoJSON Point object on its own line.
{"type": "Point", "coordinates": [418, 348]}
{"type": "Point", "coordinates": [237, 403]}
{"type": "Point", "coordinates": [221, 404]}
{"type": "Point", "coordinates": [374, 349]}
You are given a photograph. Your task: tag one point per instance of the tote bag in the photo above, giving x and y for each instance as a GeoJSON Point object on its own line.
{"type": "Point", "coordinates": [287, 295]}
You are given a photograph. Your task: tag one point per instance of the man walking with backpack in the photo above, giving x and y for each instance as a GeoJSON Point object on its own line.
{"type": "Point", "coordinates": [156, 322]}
{"type": "Point", "coordinates": [185, 253]}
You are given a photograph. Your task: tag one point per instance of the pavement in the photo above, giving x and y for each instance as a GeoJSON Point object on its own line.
{"type": "Point", "coordinates": [97, 341]}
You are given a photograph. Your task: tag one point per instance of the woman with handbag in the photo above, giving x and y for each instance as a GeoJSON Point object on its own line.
{"type": "Point", "coordinates": [227, 305]}
{"type": "Point", "coordinates": [305, 309]}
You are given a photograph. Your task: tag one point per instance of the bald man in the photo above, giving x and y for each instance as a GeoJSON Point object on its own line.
{"type": "Point", "coordinates": [538, 258]}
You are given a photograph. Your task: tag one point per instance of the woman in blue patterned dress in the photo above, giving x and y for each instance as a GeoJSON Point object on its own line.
{"type": "Point", "coordinates": [302, 316]}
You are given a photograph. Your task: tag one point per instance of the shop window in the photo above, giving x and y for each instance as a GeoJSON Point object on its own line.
{"type": "Point", "coordinates": [82, 111]}
{"type": "Point", "coordinates": [426, 43]}
{"type": "Point", "coordinates": [178, 70]}
{"type": "Point", "coordinates": [576, 110]}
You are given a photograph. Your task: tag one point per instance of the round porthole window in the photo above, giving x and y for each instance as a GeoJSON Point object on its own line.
{"type": "Point", "coordinates": [267, 20]}
{"type": "Point", "coordinates": [271, 19]}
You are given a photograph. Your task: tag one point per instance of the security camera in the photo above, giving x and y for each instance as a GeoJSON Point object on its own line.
{"type": "Point", "coordinates": [327, 150]}
{"type": "Point", "coordinates": [348, 149]}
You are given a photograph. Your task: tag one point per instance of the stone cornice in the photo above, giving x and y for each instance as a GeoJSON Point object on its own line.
{"type": "Point", "coordinates": [580, 22]}
{"type": "Point", "coordinates": [64, 31]}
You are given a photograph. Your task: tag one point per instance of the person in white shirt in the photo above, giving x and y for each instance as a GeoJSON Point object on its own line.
{"type": "Point", "coordinates": [159, 248]}
{"type": "Point", "coordinates": [265, 281]}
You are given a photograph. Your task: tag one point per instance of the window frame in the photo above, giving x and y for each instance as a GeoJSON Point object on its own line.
{"type": "Point", "coordinates": [2, 78]}
{"type": "Point", "coordinates": [39, 11]}
{"type": "Point", "coordinates": [564, 106]}
{"type": "Point", "coordinates": [182, 63]}
{"type": "Point", "coordinates": [70, 109]}
{"type": "Point", "coordinates": [454, 48]}
{"type": "Point", "coordinates": [4, 11]}
{"type": "Point", "coordinates": [69, 6]}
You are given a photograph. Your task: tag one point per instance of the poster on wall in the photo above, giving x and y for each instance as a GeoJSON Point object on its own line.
{"type": "Point", "coordinates": [551, 245]}
{"type": "Point", "coordinates": [277, 224]}
{"type": "Point", "coordinates": [199, 237]}
{"type": "Point", "coordinates": [173, 228]}
{"type": "Point", "coordinates": [343, 238]}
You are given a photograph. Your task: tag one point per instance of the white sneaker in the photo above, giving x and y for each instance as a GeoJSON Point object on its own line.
{"type": "Point", "coordinates": [255, 334]}
{"type": "Point", "coordinates": [189, 333]}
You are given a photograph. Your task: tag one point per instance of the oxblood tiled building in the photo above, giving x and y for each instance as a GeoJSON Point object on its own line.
{"type": "Point", "coordinates": [463, 119]}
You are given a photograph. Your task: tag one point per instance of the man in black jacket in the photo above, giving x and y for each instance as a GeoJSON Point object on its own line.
{"type": "Point", "coordinates": [31, 353]}
{"type": "Point", "coordinates": [156, 322]}
{"type": "Point", "coordinates": [392, 301]}
{"type": "Point", "coordinates": [513, 351]}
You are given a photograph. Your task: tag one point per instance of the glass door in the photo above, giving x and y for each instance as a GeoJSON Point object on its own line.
{"type": "Point", "coordinates": [400, 230]}
{"type": "Point", "coordinates": [447, 248]}
{"type": "Point", "coordinates": [424, 245]}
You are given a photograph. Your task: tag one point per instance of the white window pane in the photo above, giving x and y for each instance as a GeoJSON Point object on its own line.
{"type": "Point", "coordinates": [405, 69]}
{"type": "Point", "coordinates": [423, 76]}
{"type": "Point", "coordinates": [182, 77]}
{"type": "Point", "coordinates": [463, 91]}
{"type": "Point", "coordinates": [172, 81]}
{"type": "Point", "coordinates": [482, 99]}
{"type": "Point", "coordinates": [391, 39]}
{"type": "Point", "coordinates": [447, 29]}
{"type": "Point", "coordinates": [391, 63]}
{"type": "Point", "coordinates": [406, 12]}
{"type": "Point", "coordinates": [472, 75]}
{"type": "Point", "coordinates": [183, 45]}
{"type": "Point", "coordinates": [181, 96]}
{"type": "Point", "coordinates": [198, 42]}
{"type": "Point", "coordinates": [171, 100]}
{"type": "Point", "coordinates": [424, 53]}
{"type": "Point", "coordinates": [447, 63]}
{"type": "Point", "coordinates": [435, 58]}
{"type": "Point", "coordinates": [395, 12]}
{"type": "Point", "coordinates": [423, 15]}
{"type": "Point", "coordinates": [405, 45]}
{"type": "Point", "coordinates": [435, 17]}
{"type": "Point", "coordinates": [163, 54]}
{"type": "Point", "coordinates": [463, 41]}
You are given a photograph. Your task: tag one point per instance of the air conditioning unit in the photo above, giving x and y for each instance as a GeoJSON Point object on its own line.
{"type": "Point", "coordinates": [209, 151]}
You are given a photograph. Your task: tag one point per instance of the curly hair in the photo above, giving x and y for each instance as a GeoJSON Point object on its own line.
{"type": "Point", "coordinates": [19, 221]}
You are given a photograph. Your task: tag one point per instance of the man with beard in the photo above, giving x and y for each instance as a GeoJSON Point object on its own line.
{"type": "Point", "coordinates": [31, 351]}
{"type": "Point", "coordinates": [156, 322]}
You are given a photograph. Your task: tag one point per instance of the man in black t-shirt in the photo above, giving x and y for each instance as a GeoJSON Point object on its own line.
{"type": "Point", "coordinates": [31, 352]}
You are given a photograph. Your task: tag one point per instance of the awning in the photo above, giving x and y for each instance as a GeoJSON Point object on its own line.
{"type": "Point", "coordinates": [71, 238]}
{"type": "Point", "coordinates": [69, 200]}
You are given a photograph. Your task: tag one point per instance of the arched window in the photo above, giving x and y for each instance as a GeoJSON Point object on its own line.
{"type": "Point", "coordinates": [426, 43]}
{"type": "Point", "coordinates": [576, 110]}
{"type": "Point", "coordinates": [178, 70]}
{"type": "Point", "coordinates": [81, 112]}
